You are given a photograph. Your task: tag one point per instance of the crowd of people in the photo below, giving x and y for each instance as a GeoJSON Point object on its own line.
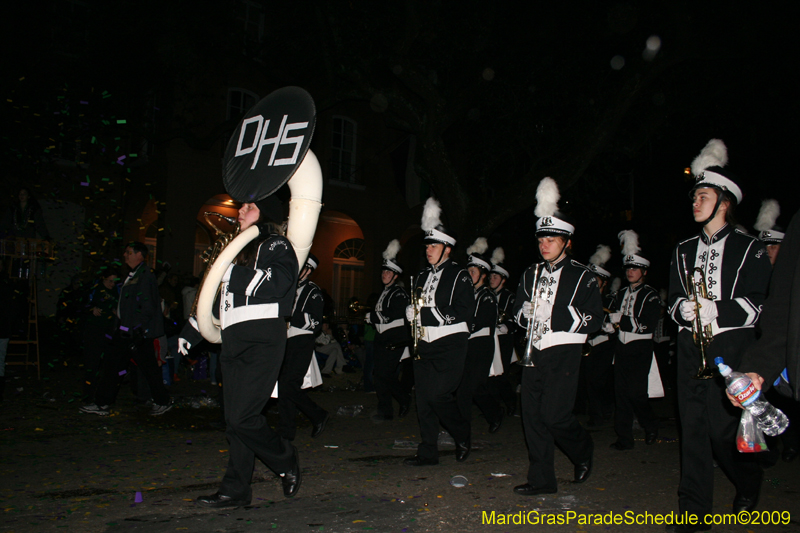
{"type": "Point", "coordinates": [449, 342]}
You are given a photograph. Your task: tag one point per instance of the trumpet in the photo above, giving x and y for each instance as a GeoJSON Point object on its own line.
{"type": "Point", "coordinates": [702, 335]}
{"type": "Point", "coordinates": [211, 254]}
{"type": "Point", "coordinates": [533, 333]}
{"type": "Point", "coordinates": [417, 331]}
{"type": "Point", "coordinates": [356, 307]}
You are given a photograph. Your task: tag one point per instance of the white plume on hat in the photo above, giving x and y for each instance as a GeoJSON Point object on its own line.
{"type": "Point", "coordinates": [498, 256]}
{"type": "Point", "coordinates": [430, 214]}
{"type": "Point", "coordinates": [480, 245]}
{"type": "Point", "coordinates": [629, 241]}
{"type": "Point", "coordinates": [616, 283]}
{"type": "Point", "coordinates": [714, 154]}
{"type": "Point", "coordinates": [391, 250]}
{"type": "Point", "coordinates": [767, 215]}
{"type": "Point", "coordinates": [601, 256]}
{"type": "Point", "coordinates": [547, 197]}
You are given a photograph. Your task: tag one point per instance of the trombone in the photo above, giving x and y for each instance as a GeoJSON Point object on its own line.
{"type": "Point", "coordinates": [417, 331]}
{"type": "Point", "coordinates": [533, 333]}
{"type": "Point", "coordinates": [702, 335]}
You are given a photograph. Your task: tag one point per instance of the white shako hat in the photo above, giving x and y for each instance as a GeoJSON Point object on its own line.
{"type": "Point", "coordinates": [389, 255]}
{"type": "Point", "coordinates": [630, 250]}
{"type": "Point", "coordinates": [498, 256]}
{"type": "Point", "coordinates": [550, 222]}
{"type": "Point", "coordinates": [435, 232]}
{"type": "Point", "coordinates": [476, 257]}
{"type": "Point", "coordinates": [709, 170]}
{"type": "Point", "coordinates": [312, 262]}
{"type": "Point", "coordinates": [599, 259]}
{"type": "Point", "coordinates": [765, 223]}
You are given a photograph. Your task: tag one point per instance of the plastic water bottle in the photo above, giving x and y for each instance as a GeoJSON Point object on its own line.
{"type": "Point", "coordinates": [770, 419]}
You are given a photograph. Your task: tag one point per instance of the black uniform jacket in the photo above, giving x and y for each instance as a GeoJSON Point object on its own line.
{"type": "Point", "coordinates": [737, 272]}
{"type": "Point", "coordinates": [577, 307]}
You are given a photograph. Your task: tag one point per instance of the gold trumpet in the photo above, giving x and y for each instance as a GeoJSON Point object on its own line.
{"type": "Point", "coordinates": [533, 332]}
{"type": "Point", "coordinates": [211, 254]}
{"type": "Point", "coordinates": [702, 335]}
{"type": "Point", "coordinates": [417, 331]}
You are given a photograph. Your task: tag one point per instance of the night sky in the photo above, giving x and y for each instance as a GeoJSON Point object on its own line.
{"type": "Point", "coordinates": [532, 83]}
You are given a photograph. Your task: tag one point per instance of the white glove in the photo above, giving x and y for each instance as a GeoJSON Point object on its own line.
{"type": "Point", "coordinates": [543, 310]}
{"type": "Point", "coordinates": [608, 327]}
{"type": "Point", "coordinates": [184, 346]}
{"type": "Point", "coordinates": [708, 311]}
{"type": "Point", "coordinates": [527, 310]}
{"type": "Point", "coordinates": [367, 319]}
{"type": "Point", "coordinates": [410, 313]}
{"type": "Point", "coordinates": [227, 275]}
{"type": "Point", "coordinates": [614, 318]}
{"type": "Point", "coordinates": [687, 310]}
{"type": "Point", "coordinates": [502, 329]}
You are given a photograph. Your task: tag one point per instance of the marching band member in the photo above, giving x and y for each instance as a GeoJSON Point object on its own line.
{"type": "Point", "coordinates": [447, 307]}
{"type": "Point", "coordinates": [637, 310]}
{"type": "Point", "coordinates": [599, 364]}
{"type": "Point", "coordinates": [498, 277]}
{"type": "Point", "coordinates": [304, 326]}
{"type": "Point", "coordinates": [768, 232]}
{"type": "Point", "coordinates": [391, 340]}
{"type": "Point", "coordinates": [736, 270]}
{"type": "Point", "coordinates": [772, 236]}
{"type": "Point", "coordinates": [256, 293]}
{"type": "Point", "coordinates": [481, 347]}
{"type": "Point", "coordinates": [563, 309]}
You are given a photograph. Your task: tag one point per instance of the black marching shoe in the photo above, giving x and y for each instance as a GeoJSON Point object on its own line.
{"type": "Point", "coordinates": [462, 451]}
{"type": "Point", "coordinates": [529, 490]}
{"type": "Point", "coordinates": [220, 500]}
{"type": "Point", "coordinates": [740, 503]}
{"type": "Point", "coordinates": [494, 427]}
{"type": "Point", "coordinates": [319, 427]}
{"type": "Point", "coordinates": [419, 461]}
{"type": "Point", "coordinates": [404, 409]}
{"type": "Point", "coordinates": [291, 479]}
{"type": "Point", "coordinates": [583, 470]}
{"type": "Point", "coordinates": [621, 446]}
{"type": "Point", "coordinates": [650, 437]}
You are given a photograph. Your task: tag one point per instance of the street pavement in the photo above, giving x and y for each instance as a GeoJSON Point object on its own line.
{"type": "Point", "coordinates": [63, 470]}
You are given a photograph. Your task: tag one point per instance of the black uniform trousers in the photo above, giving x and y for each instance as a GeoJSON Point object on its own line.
{"type": "Point", "coordinates": [600, 372]}
{"type": "Point", "coordinates": [143, 355]}
{"type": "Point", "coordinates": [437, 374]}
{"type": "Point", "coordinates": [251, 357]}
{"type": "Point", "coordinates": [709, 423]}
{"type": "Point", "coordinates": [291, 397]}
{"type": "Point", "coordinates": [501, 385]}
{"type": "Point", "coordinates": [631, 370]}
{"type": "Point", "coordinates": [548, 397]}
{"type": "Point", "coordinates": [388, 348]}
{"type": "Point", "coordinates": [474, 382]}
{"type": "Point", "coordinates": [95, 345]}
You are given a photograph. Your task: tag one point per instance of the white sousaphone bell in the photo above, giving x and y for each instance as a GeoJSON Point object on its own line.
{"type": "Point", "coordinates": [269, 148]}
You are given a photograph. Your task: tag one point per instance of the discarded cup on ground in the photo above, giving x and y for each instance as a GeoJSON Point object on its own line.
{"type": "Point", "coordinates": [458, 481]}
{"type": "Point", "coordinates": [350, 410]}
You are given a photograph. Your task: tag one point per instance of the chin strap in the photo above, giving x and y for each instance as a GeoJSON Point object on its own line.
{"type": "Point", "coordinates": [716, 207]}
{"type": "Point", "coordinates": [552, 263]}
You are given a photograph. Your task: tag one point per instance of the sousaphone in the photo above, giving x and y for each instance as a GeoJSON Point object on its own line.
{"type": "Point", "coordinates": [269, 148]}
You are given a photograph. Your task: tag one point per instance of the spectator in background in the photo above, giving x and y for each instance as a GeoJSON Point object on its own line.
{"type": "Point", "coordinates": [99, 314]}
{"type": "Point", "coordinates": [326, 343]}
{"type": "Point", "coordinates": [25, 220]}
{"type": "Point", "coordinates": [140, 324]}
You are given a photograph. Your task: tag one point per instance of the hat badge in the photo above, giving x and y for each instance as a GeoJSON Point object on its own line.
{"type": "Point", "coordinates": [628, 258]}
{"type": "Point", "coordinates": [547, 222]}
